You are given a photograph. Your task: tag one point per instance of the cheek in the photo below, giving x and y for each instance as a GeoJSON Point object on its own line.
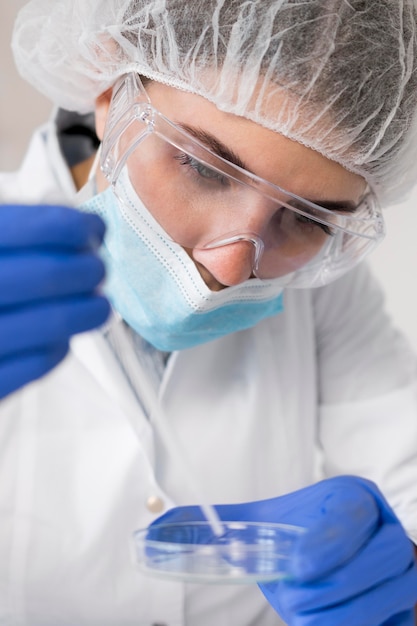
{"type": "Point", "coordinates": [155, 184]}
{"type": "Point", "coordinates": [163, 185]}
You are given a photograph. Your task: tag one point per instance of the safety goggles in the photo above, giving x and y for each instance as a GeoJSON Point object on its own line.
{"type": "Point", "coordinates": [202, 201]}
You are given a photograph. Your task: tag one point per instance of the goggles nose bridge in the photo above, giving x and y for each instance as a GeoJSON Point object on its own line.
{"type": "Point", "coordinates": [234, 238]}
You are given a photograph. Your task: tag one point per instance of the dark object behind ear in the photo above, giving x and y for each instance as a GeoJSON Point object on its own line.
{"type": "Point", "coordinates": [76, 136]}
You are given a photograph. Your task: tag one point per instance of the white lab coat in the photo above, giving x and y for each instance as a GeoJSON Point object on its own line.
{"type": "Point", "coordinates": [79, 461]}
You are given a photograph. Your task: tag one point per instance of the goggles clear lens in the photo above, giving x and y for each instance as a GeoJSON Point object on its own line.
{"type": "Point", "coordinates": [204, 201]}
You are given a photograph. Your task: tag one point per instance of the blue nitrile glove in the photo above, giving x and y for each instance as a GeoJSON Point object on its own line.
{"type": "Point", "coordinates": [49, 274]}
{"type": "Point", "coordinates": [354, 566]}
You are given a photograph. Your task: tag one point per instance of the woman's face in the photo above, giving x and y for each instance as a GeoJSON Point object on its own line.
{"type": "Point", "coordinates": [269, 155]}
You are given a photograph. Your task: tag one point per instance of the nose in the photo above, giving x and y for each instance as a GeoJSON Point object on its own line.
{"type": "Point", "coordinates": [229, 264]}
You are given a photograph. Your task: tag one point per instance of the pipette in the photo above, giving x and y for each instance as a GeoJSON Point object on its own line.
{"type": "Point", "coordinates": [161, 424]}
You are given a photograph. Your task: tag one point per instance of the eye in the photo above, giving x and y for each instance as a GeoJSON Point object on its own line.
{"type": "Point", "coordinates": [201, 170]}
{"type": "Point", "coordinates": [302, 219]}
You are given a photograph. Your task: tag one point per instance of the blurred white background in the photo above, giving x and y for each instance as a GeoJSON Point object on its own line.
{"type": "Point", "coordinates": [21, 107]}
{"type": "Point", "coordinates": [395, 261]}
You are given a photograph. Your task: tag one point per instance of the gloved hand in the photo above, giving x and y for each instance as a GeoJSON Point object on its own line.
{"type": "Point", "coordinates": [354, 566]}
{"type": "Point", "coordinates": [49, 278]}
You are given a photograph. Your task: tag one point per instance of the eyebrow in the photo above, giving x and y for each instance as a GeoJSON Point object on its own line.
{"type": "Point", "coordinates": [335, 205]}
{"type": "Point", "coordinates": [219, 148]}
{"type": "Point", "coordinates": [215, 145]}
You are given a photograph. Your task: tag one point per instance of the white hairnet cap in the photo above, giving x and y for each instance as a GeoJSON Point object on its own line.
{"type": "Point", "coordinates": [336, 75]}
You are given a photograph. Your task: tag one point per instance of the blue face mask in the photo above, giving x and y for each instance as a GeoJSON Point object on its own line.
{"type": "Point", "coordinates": [156, 288]}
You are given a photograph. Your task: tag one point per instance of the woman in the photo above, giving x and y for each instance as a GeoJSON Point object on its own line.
{"type": "Point", "coordinates": [248, 147]}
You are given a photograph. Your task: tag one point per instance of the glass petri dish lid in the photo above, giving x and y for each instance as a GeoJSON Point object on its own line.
{"type": "Point", "coordinates": [246, 552]}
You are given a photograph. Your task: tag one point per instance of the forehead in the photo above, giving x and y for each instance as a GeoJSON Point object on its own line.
{"type": "Point", "coordinates": [278, 159]}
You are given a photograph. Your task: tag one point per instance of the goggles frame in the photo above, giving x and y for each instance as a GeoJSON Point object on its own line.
{"type": "Point", "coordinates": [131, 104]}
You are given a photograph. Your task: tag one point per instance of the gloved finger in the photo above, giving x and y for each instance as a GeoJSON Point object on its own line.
{"type": "Point", "coordinates": [260, 511]}
{"type": "Point", "coordinates": [17, 372]}
{"type": "Point", "coordinates": [346, 519]}
{"type": "Point", "coordinates": [28, 277]}
{"type": "Point", "coordinates": [305, 507]}
{"type": "Point", "coordinates": [180, 514]}
{"type": "Point", "coordinates": [387, 514]}
{"type": "Point", "coordinates": [54, 321]}
{"type": "Point", "coordinates": [40, 226]}
{"type": "Point", "coordinates": [387, 556]}
{"type": "Point", "coordinates": [182, 532]}
{"type": "Point", "coordinates": [372, 608]}
{"type": "Point", "coordinates": [340, 514]}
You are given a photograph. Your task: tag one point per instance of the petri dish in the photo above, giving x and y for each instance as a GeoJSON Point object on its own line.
{"type": "Point", "coordinates": [246, 552]}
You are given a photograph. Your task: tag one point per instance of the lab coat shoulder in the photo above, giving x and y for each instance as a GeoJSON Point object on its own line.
{"type": "Point", "coordinates": [361, 353]}
{"type": "Point", "coordinates": [368, 391]}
